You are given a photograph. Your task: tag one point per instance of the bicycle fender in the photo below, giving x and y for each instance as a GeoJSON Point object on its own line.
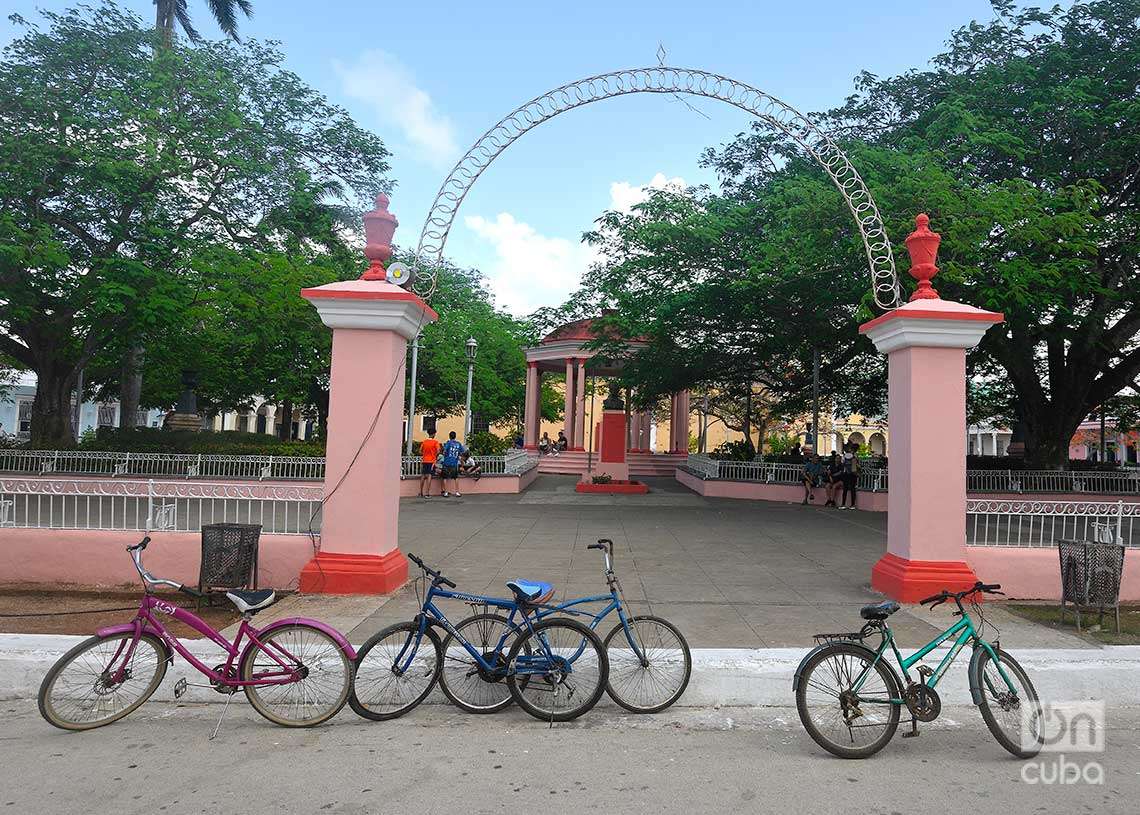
{"type": "Point", "coordinates": [870, 653]}
{"type": "Point", "coordinates": [975, 671]}
{"type": "Point", "coordinates": [338, 637]}
{"type": "Point", "coordinates": [129, 628]}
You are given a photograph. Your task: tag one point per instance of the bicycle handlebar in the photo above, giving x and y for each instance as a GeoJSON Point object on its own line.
{"type": "Point", "coordinates": [607, 547]}
{"type": "Point", "coordinates": [944, 595]}
{"type": "Point", "coordinates": [136, 555]}
{"type": "Point", "coordinates": [435, 575]}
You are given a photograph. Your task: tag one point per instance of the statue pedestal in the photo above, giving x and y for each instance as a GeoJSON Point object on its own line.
{"type": "Point", "coordinates": [925, 342]}
{"type": "Point", "coordinates": [372, 322]}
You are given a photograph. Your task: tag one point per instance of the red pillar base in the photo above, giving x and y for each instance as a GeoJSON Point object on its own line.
{"type": "Point", "coordinates": [909, 581]}
{"type": "Point", "coordinates": [335, 573]}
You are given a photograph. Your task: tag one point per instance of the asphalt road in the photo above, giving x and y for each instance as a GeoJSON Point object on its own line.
{"type": "Point", "coordinates": [438, 760]}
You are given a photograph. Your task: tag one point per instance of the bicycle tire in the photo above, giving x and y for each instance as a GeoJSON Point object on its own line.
{"type": "Point", "coordinates": [890, 683]}
{"type": "Point", "coordinates": [618, 656]}
{"type": "Point", "coordinates": [1011, 665]}
{"type": "Point", "coordinates": [469, 681]}
{"type": "Point", "coordinates": [362, 697]}
{"type": "Point", "coordinates": [323, 661]}
{"type": "Point", "coordinates": [47, 704]}
{"type": "Point", "coordinates": [570, 650]}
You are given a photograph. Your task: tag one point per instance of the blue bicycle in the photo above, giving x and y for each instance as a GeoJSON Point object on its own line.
{"type": "Point", "coordinates": [649, 659]}
{"type": "Point", "coordinates": [555, 669]}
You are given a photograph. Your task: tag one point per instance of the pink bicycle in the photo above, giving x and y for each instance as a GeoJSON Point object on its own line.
{"type": "Point", "coordinates": [295, 672]}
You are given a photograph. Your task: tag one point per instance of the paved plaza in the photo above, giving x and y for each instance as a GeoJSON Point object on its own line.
{"type": "Point", "coordinates": [730, 574]}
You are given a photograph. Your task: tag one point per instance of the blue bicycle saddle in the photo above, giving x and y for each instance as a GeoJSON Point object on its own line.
{"type": "Point", "coordinates": [531, 591]}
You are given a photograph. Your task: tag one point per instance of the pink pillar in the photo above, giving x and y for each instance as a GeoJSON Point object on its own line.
{"type": "Point", "coordinates": [926, 342]}
{"type": "Point", "coordinates": [580, 406]}
{"type": "Point", "coordinates": [683, 430]}
{"type": "Point", "coordinates": [531, 403]}
{"type": "Point", "coordinates": [569, 404]}
{"type": "Point", "coordinates": [372, 321]}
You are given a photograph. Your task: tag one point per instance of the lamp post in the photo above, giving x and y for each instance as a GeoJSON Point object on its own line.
{"type": "Point", "coordinates": [471, 350]}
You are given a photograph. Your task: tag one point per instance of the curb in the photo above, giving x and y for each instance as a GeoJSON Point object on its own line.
{"type": "Point", "coordinates": [721, 676]}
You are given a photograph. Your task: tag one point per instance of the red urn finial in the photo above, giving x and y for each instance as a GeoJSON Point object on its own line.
{"type": "Point", "coordinates": [922, 244]}
{"type": "Point", "coordinates": [379, 227]}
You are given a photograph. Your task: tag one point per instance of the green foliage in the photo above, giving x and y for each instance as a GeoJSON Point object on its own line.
{"type": "Point", "coordinates": [780, 443]}
{"type": "Point", "coordinates": [121, 160]}
{"type": "Point", "coordinates": [603, 478]}
{"type": "Point", "coordinates": [488, 444]}
{"type": "Point", "coordinates": [739, 450]}
{"type": "Point", "coordinates": [228, 442]}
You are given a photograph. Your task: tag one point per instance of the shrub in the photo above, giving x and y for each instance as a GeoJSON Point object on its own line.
{"type": "Point", "coordinates": [227, 442]}
{"type": "Point", "coordinates": [488, 444]}
{"type": "Point", "coordinates": [739, 450]}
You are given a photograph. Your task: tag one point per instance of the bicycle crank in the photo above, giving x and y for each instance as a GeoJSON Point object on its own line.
{"type": "Point", "coordinates": [922, 701]}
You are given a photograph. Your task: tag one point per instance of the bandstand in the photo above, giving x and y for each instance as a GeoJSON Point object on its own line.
{"type": "Point", "coordinates": [565, 352]}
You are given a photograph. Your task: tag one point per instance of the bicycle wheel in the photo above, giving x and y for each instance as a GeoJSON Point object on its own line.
{"type": "Point", "coordinates": [565, 673]}
{"type": "Point", "coordinates": [395, 672]}
{"type": "Point", "coordinates": [322, 690]}
{"type": "Point", "coordinates": [844, 723]}
{"type": "Point", "coordinates": [652, 684]}
{"type": "Point", "coordinates": [1014, 717]}
{"type": "Point", "coordinates": [78, 692]}
{"type": "Point", "coordinates": [463, 680]}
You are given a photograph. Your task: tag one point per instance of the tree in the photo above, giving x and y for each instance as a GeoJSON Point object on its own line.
{"type": "Point", "coordinates": [117, 162]}
{"type": "Point", "coordinates": [1030, 126]}
{"type": "Point", "coordinates": [169, 12]}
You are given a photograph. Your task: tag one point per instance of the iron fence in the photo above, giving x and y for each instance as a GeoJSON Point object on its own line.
{"type": "Point", "coordinates": [514, 462]}
{"type": "Point", "coordinates": [1043, 523]}
{"type": "Point", "coordinates": [52, 503]}
{"type": "Point", "coordinates": [191, 466]}
{"type": "Point", "coordinates": [871, 479]}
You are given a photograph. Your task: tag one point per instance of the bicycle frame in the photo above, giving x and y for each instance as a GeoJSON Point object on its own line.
{"type": "Point", "coordinates": [146, 621]}
{"type": "Point", "coordinates": [964, 631]}
{"type": "Point", "coordinates": [430, 612]}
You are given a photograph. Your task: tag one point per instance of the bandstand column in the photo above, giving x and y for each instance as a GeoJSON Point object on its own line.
{"type": "Point", "coordinates": [569, 403]}
{"type": "Point", "coordinates": [372, 321]}
{"type": "Point", "coordinates": [926, 342]}
{"type": "Point", "coordinates": [580, 406]}
{"type": "Point", "coordinates": [531, 402]}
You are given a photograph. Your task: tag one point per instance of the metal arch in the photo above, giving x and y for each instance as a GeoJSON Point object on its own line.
{"type": "Point", "coordinates": [662, 79]}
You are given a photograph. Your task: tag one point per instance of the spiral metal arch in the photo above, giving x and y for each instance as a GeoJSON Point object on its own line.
{"type": "Point", "coordinates": [662, 79]}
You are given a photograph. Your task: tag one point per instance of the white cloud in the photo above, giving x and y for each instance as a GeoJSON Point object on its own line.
{"type": "Point", "coordinates": [382, 81]}
{"type": "Point", "coordinates": [532, 270]}
{"type": "Point", "coordinates": [625, 196]}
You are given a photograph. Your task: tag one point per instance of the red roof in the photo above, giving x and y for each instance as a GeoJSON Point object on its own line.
{"type": "Point", "coordinates": [579, 331]}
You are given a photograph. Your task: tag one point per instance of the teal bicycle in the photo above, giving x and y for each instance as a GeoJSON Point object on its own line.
{"type": "Point", "coordinates": [850, 699]}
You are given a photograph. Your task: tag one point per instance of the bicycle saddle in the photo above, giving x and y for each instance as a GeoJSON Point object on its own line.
{"type": "Point", "coordinates": [531, 591]}
{"type": "Point", "coordinates": [251, 600]}
{"type": "Point", "coordinates": [879, 611]}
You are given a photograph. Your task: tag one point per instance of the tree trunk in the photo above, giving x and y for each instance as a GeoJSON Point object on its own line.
{"type": "Point", "coordinates": [748, 419]}
{"type": "Point", "coordinates": [285, 433]}
{"type": "Point", "coordinates": [320, 397]}
{"type": "Point", "coordinates": [51, 410]}
{"type": "Point", "coordinates": [1048, 432]}
{"type": "Point", "coordinates": [130, 386]}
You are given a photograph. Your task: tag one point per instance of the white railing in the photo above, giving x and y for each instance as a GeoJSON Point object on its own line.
{"type": "Point", "coordinates": [871, 479]}
{"type": "Point", "coordinates": [52, 503]}
{"type": "Point", "coordinates": [514, 462]}
{"type": "Point", "coordinates": [1043, 523]}
{"type": "Point", "coordinates": [190, 465]}
{"type": "Point", "coordinates": [169, 465]}
{"type": "Point", "coordinates": [1125, 482]}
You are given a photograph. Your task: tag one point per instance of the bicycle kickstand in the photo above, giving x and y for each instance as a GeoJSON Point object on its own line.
{"type": "Point", "coordinates": [913, 729]}
{"type": "Point", "coordinates": [225, 707]}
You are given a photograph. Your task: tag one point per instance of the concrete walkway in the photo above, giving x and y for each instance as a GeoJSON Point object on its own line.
{"type": "Point", "coordinates": [729, 574]}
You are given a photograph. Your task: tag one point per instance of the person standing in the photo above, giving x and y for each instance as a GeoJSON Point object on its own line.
{"type": "Point", "coordinates": [850, 475]}
{"type": "Point", "coordinates": [450, 454]}
{"type": "Point", "coordinates": [429, 453]}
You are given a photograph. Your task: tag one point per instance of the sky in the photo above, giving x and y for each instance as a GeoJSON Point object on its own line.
{"type": "Point", "coordinates": [431, 78]}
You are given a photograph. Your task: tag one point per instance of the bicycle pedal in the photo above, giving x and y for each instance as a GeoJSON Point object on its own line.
{"type": "Point", "coordinates": [180, 688]}
{"type": "Point", "coordinates": [913, 734]}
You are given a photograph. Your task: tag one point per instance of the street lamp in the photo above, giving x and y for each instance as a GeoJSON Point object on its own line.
{"type": "Point", "coordinates": [471, 350]}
